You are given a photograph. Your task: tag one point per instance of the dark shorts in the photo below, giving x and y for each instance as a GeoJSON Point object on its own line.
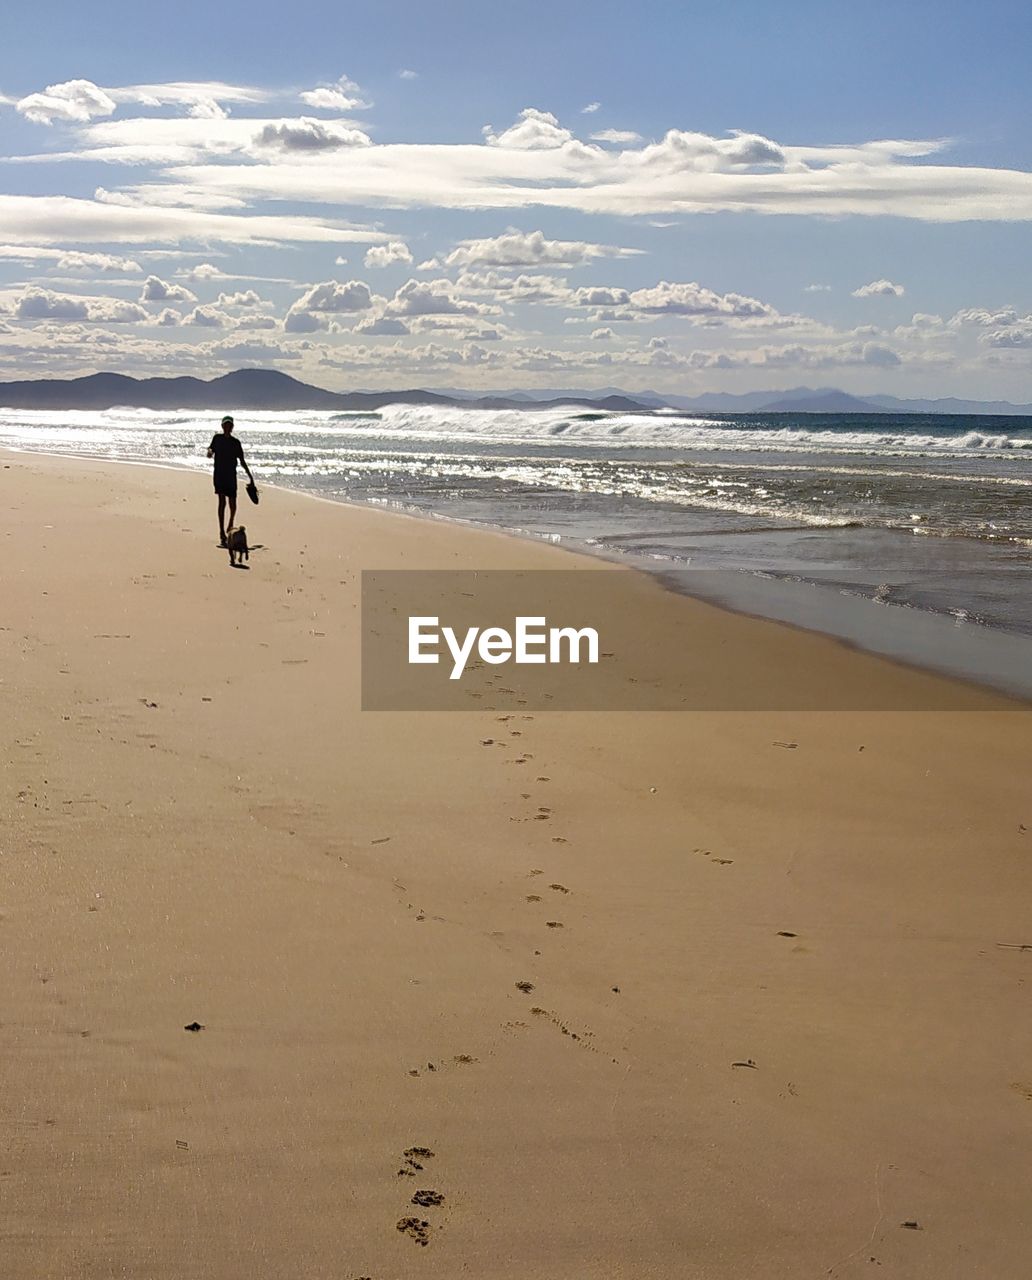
{"type": "Point", "coordinates": [226, 487]}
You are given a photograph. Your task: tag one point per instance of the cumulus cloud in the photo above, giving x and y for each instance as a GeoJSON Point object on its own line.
{"type": "Point", "coordinates": [80, 101]}
{"type": "Point", "coordinates": [602, 335]}
{"type": "Point", "coordinates": [117, 311]}
{"type": "Point", "coordinates": [590, 109]}
{"type": "Point", "coordinates": [600, 296]}
{"type": "Point", "coordinates": [71, 260]}
{"type": "Point", "coordinates": [879, 289]}
{"type": "Point", "coordinates": [72, 100]}
{"type": "Point", "coordinates": [383, 326]}
{"type": "Point", "coordinates": [534, 131]}
{"type": "Point", "coordinates": [157, 290]}
{"type": "Point", "coordinates": [1013, 337]}
{"type": "Point", "coordinates": [308, 135]}
{"type": "Point", "coordinates": [331, 297]}
{"type": "Point", "coordinates": [345, 95]}
{"type": "Point", "coordinates": [387, 255]}
{"type": "Point", "coordinates": [208, 318]}
{"type": "Point", "coordinates": [335, 296]}
{"type": "Point", "coordinates": [40, 304]}
{"type": "Point", "coordinates": [432, 298]}
{"type": "Point", "coordinates": [530, 249]}
{"type": "Point", "coordinates": [622, 136]}
{"type": "Point", "coordinates": [407, 74]}
{"type": "Point", "coordinates": [244, 298]}
{"type": "Point", "coordinates": [694, 300]}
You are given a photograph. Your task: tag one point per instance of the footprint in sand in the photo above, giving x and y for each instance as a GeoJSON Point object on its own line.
{"type": "Point", "coordinates": [414, 1161]}
{"type": "Point", "coordinates": [559, 888]}
{"type": "Point", "coordinates": [416, 1228]}
{"type": "Point", "coordinates": [428, 1199]}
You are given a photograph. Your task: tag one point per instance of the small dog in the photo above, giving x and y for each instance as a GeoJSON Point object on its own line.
{"type": "Point", "coordinates": [236, 541]}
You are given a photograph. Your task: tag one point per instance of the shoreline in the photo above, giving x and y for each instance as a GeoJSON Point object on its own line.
{"type": "Point", "coordinates": [729, 988]}
{"type": "Point", "coordinates": [982, 657]}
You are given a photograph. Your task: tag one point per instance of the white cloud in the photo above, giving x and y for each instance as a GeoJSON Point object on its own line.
{"type": "Point", "coordinates": [246, 299]}
{"type": "Point", "coordinates": [72, 100]}
{"type": "Point", "coordinates": [817, 288]}
{"type": "Point", "coordinates": [387, 255]}
{"type": "Point", "coordinates": [331, 297]}
{"type": "Point", "coordinates": [1013, 337]}
{"type": "Point", "coordinates": [590, 109]}
{"type": "Point", "coordinates": [207, 318]}
{"type": "Point", "coordinates": [623, 136]}
{"type": "Point", "coordinates": [203, 271]}
{"type": "Point", "coordinates": [40, 304]}
{"type": "Point", "coordinates": [117, 311]}
{"type": "Point", "coordinates": [335, 296]}
{"type": "Point", "coordinates": [157, 290]}
{"type": "Point", "coordinates": [407, 74]}
{"type": "Point", "coordinates": [536, 164]}
{"type": "Point", "coordinates": [602, 335]}
{"type": "Point", "coordinates": [530, 249]}
{"type": "Point", "coordinates": [61, 219]}
{"type": "Point", "coordinates": [208, 109]}
{"type": "Point", "coordinates": [73, 260]}
{"type": "Point", "coordinates": [345, 95]}
{"type": "Point", "coordinates": [597, 295]}
{"type": "Point", "coordinates": [534, 131]}
{"type": "Point", "coordinates": [308, 135]}
{"type": "Point", "coordinates": [432, 298]}
{"type": "Point", "coordinates": [383, 326]}
{"type": "Point", "coordinates": [879, 289]}
{"type": "Point", "coordinates": [694, 300]}
{"type": "Point", "coordinates": [80, 101]}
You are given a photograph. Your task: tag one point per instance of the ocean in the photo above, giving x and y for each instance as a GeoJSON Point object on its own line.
{"type": "Point", "coordinates": [909, 534]}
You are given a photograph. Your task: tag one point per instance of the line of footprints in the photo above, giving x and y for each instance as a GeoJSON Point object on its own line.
{"type": "Point", "coordinates": [411, 1225]}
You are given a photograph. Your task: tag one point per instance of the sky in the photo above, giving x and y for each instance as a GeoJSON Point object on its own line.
{"type": "Point", "coordinates": [671, 196]}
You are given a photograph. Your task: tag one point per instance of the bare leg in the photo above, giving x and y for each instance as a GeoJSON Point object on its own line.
{"type": "Point", "coordinates": [232, 511]}
{"type": "Point", "coordinates": [222, 517]}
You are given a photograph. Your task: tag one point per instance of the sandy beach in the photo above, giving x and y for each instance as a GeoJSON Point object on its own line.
{"type": "Point", "coordinates": [715, 994]}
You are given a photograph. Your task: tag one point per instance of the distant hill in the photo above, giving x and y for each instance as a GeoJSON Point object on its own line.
{"type": "Point", "coordinates": [824, 402]}
{"type": "Point", "coordinates": [248, 389]}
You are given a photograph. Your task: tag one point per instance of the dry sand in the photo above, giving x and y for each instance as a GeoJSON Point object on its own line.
{"type": "Point", "coordinates": [199, 824]}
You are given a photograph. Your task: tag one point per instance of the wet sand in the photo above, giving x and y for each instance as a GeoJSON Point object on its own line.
{"type": "Point", "coordinates": [529, 995]}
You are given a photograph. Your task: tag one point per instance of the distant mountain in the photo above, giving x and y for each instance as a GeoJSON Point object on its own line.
{"type": "Point", "coordinates": [950, 404]}
{"type": "Point", "coordinates": [248, 389]}
{"type": "Point", "coordinates": [823, 402]}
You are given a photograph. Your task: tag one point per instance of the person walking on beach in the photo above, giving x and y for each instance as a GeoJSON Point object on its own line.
{"type": "Point", "coordinates": [227, 452]}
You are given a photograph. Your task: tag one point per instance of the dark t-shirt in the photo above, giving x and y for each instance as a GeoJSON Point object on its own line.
{"type": "Point", "coordinates": [226, 450]}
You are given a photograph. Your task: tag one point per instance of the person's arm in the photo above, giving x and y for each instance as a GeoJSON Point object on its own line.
{"type": "Point", "coordinates": [243, 461]}
{"type": "Point", "coordinates": [211, 448]}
